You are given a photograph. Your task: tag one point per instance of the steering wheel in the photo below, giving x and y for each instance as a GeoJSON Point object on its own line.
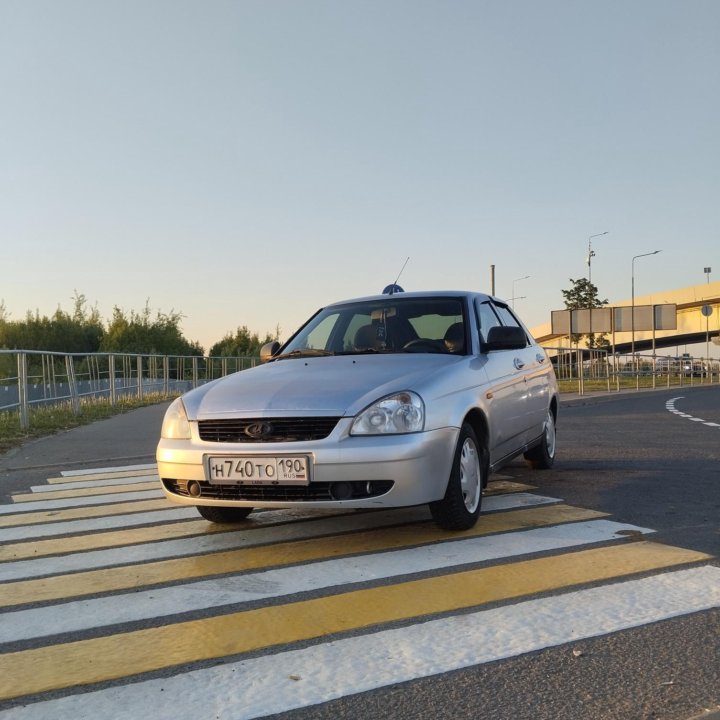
{"type": "Point", "coordinates": [424, 345]}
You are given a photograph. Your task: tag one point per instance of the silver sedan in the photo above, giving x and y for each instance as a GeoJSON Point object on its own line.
{"type": "Point", "coordinates": [387, 401]}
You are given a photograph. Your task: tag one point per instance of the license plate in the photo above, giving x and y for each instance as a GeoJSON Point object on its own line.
{"type": "Point", "coordinates": [259, 470]}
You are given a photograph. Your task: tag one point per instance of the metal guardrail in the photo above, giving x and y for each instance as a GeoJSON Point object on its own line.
{"type": "Point", "coordinates": [30, 378]}
{"type": "Point", "coordinates": [601, 370]}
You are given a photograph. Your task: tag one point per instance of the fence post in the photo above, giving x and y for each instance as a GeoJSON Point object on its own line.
{"type": "Point", "coordinates": [23, 391]}
{"type": "Point", "coordinates": [111, 370]}
{"type": "Point", "coordinates": [139, 375]}
{"type": "Point", "coordinates": [578, 361]}
{"type": "Point", "coordinates": [72, 384]}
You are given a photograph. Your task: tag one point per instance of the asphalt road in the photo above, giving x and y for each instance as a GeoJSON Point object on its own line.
{"type": "Point", "coordinates": [648, 459]}
{"type": "Point", "coordinates": [125, 439]}
{"type": "Point", "coordinates": [630, 456]}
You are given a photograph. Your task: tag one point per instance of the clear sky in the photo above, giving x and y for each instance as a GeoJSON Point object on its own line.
{"type": "Point", "coordinates": [244, 162]}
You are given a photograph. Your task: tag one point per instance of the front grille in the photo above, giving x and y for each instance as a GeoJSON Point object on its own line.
{"type": "Point", "coordinates": [266, 430]}
{"type": "Point", "coordinates": [278, 493]}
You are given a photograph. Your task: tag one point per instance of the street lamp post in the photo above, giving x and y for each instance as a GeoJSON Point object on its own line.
{"type": "Point", "coordinates": [707, 312]}
{"type": "Point", "coordinates": [632, 312]}
{"type": "Point", "coordinates": [591, 253]}
{"type": "Point", "coordinates": [512, 299]}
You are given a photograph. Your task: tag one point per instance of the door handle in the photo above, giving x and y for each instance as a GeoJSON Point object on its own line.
{"type": "Point", "coordinates": [518, 363]}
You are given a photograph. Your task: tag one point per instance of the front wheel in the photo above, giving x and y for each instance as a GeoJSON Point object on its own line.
{"type": "Point", "coordinates": [542, 456]}
{"type": "Point", "coordinates": [224, 515]}
{"type": "Point", "coordinates": [460, 507]}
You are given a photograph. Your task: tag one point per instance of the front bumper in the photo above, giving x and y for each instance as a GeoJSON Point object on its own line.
{"type": "Point", "coordinates": [386, 470]}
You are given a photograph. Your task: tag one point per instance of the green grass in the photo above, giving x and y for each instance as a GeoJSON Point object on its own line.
{"type": "Point", "coordinates": [46, 421]}
{"type": "Point", "coordinates": [631, 383]}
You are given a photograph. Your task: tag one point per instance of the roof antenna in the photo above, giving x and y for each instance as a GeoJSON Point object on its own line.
{"type": "Point", "coordinates": [392, 289]}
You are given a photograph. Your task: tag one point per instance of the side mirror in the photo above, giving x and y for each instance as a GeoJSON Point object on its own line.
{"type": "Point", "coordinates": [268, 350]}
{"type": "Point", "coordinates": [503, 337]}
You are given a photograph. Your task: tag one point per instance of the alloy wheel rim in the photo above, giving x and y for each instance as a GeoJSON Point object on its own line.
{"type": "Point", "coordinates": [550, 434]}
{"type": "Point", "coordinates": [470, 477]}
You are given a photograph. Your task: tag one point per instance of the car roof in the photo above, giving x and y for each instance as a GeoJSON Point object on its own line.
{"type": "Point", "coordinates": [415, 294]}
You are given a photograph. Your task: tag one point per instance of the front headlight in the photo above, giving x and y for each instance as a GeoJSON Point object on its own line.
{"type": "Point", "coordinates": [403, 412]}
{"type": "Point", "coordinates": [175, 424]}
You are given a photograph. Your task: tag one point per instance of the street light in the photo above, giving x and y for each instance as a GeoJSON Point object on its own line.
{"type": "Point", "coordinates": [632, 315]}
{"type": "Point", "coordinates": [706, 313]}
{"type": "Point", "coordinates": [591, 253]}
{"type": "Point", "coordinates": [512, 299]}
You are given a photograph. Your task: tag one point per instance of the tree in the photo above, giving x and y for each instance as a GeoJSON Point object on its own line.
{"type": "Point", "coordinates": [242, 344]}
{"type": "Point", "coordinates": [83, 331]}
{"type": "Point", "coordinates": [581, 296]}
{"type": "Point", "coordinates": [79, 333]}
{"type": "Point", "coordinates": [141, 334]}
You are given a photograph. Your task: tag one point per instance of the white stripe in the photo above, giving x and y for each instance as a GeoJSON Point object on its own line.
{"type": "Point", "coordinates": [270, 684]}
{"type": "Point", "coordinates": [107, 522]}
{"type": "Point", "coordinates": [117, 468]}
{"type": "Point", "coordinates": [81, 501]}
{"type": "Point", "coordinates": [217, 542]}
{"type": "Point", "coordinates": [161, 602]}
{"type": "Point", "coordinates": [95, 483]}
{"type": "Point", "coordinates": [40, 505]}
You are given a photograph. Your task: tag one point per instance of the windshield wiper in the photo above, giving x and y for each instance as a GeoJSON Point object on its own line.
{"type": "Point", "coordinates": [306, 352]}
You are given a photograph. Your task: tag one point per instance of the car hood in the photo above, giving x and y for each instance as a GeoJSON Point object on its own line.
{"type": "Point", "coordinates": [333, 386]}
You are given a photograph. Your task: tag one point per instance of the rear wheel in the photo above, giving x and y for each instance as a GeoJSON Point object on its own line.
{"type": "Point", "coordinates": [542, 456]}
{"type": "Point", "coordinates": [224, 514]}
{"type": "Point", "coordinates": [460, 507]}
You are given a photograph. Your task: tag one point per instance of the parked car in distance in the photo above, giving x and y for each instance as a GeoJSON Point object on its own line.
{"type": "Point", "coordinates": [392, 400]}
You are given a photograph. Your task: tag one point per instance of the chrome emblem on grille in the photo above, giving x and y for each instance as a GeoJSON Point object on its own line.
{"type": "Point", "coordinates": [259, 430]}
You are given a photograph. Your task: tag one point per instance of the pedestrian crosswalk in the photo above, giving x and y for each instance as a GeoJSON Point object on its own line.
{"type": "Point", "coordinates": [113, 601]}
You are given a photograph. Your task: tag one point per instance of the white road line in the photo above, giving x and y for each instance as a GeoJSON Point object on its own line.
{"type": "Point", "coordinates": [34, 506]}
{"type": "Point", "coordinates": [670, 406]}
{"type": "Point", "coordinates": [108, 522]}
{"type": "Point", "coordinates": [95, 483]}
{"type": "Point", "coordinates": [277, 683]}
{"type": "Point", "coordinates": [85, 614]}
{"type": "Point", "coordinates": [117, 468]}
{"type": "Point", "coordinates": [217, 542]}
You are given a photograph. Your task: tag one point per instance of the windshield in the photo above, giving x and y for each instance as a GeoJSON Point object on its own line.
{"type": "Point", "coordinates": [387, 325]}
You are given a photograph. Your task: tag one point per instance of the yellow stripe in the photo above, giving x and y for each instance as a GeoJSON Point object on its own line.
{"type": "Point", "coordinates": [106, 658]}
{"type": "Point", "coordinates": [82, 492]}
{"type": "Point", "coordinates": [131, 536]}
{"type": "Point", "coordinates": [102, 540]}
{"type": "Point", "coordinates": [83, 513]}
{"type": "Point", "coordinates": [116, 538]}
{"type": "Point", "coordinates": [103, 476]}
{"type": "Point", "coordinates": [500, 487]}
{"type": "Point", "coordinates": [129, 577]}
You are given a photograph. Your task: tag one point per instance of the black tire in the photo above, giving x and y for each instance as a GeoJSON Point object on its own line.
{"type": "Point", "coordinates": [460, 507]}
{"type": "Point", "coordinates": [542, 456]}
{"type": "Point", "coordinates": [224, 515]}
